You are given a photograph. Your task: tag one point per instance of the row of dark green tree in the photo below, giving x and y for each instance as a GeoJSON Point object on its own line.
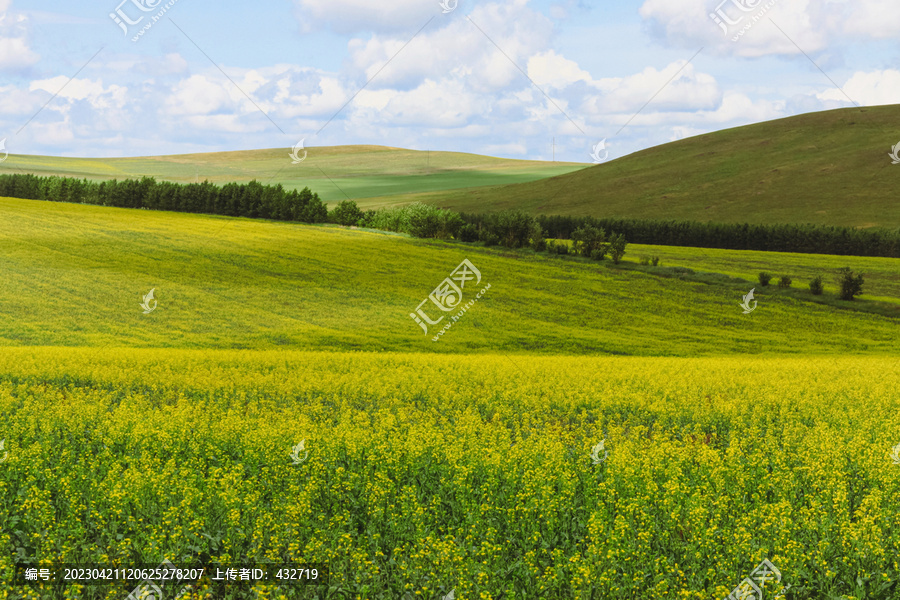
{"type": "Point", "coordinates": [253, 199]}
{"type": "Point", "coordinates": [807, 239]}
{"type": "Point", "coordinates": [509, 228]}
{"type": "Point", "coordinates": [512, 229]}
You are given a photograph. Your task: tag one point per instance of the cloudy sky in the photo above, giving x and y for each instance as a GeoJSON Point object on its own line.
{"type": "Point", "coordinates": [145, 77]}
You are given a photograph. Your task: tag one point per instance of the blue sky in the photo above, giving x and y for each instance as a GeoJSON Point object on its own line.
{"type": "Point", "coordinates": [503, 78]}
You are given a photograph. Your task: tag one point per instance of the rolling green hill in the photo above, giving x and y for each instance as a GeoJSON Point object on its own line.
{"type": "Point", "coordinates": [75, 275]}
{"type": "Point", "coordinates": [828, 168]}
{"type": "Point", "coordinates": [362, 173]}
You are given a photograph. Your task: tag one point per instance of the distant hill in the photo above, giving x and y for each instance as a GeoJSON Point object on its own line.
{"type": "Point", "coordinates": [361, 173]}
{"type": "Point", "coordinates": [829, 168]}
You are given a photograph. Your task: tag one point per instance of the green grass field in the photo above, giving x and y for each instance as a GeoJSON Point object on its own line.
{"type": "Point", "coordinates": [74, 276]}
{"type": "Point", "coordinates": [469, 464]}
{"type": "Point", "coordinates": [828, 168]}
{"type": "Point", "coordinates": [363, 173]}
{"type": "Point", "coordinates": [882, 275]}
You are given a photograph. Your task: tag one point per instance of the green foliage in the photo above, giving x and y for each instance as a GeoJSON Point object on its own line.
{"type": "Point", "coordinates": [785, 281]}
{"type": "Point", "coordinates": [252, 199]}
{"type": "Point", "coordinates": [590, 242]}
{"type": "Point", "coordinates": [427, 221]}
{"type": "Point", "coordinates": [850, 284]}
{"type": "Point", "coordinates": [467, 233]}
{"type": "Point", "coordinates": [536, 237]}
{"type": "Point", "coordinates": [555, 247]}
{"type": "Point", "coordinates": [764, 279]}
{"type": "Point", "coordinates": [512, 229]}
{"type": "Point", "coordinates": [655, 261]}
{"type": "Point", "coordinates": [418, 220]}
{"type": "Point", "coordinates": [816, 286]}
{"type": "Point", "coordinates": [346, 213]}
{"type": "Point", "coordinates": [817, 239]}
{"type": "Point", "coordinates": [645, 260]}
{"type": "Point", "coordinates": [490, 238]}
{"type": "Point", "coordinates": [617, 246]}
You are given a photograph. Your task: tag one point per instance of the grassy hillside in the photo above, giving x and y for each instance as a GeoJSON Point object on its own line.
{"type": "Point", "coordinates": [75, 275]}
{"type": "Point", "coordinates": [829, 168]}
{"type": "Point", "coordinates": [361, 172]}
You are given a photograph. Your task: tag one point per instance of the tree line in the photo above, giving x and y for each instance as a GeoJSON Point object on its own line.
{"type": "Point", "coordinates": [511, 228]}
{"type": "Point", "coordinates": [253, 199]}
{"type": "Point", "coordinates": [806, 239]}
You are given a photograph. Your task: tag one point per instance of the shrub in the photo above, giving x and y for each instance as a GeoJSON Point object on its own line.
{"type": "Point", "coordinates": [655, 261]}
{"type": "Point", "coordinates": [784, 282]}
{"type": "Point", "coordinates": [598, 254]}
{"type": "Point", "coordinates": [467, 233]}
{"type": "Point", "coordinates": [617, 247]}
{"type": "Point", "coordinates": [764, 279]}
{"type": "Point", "coordinates": [645, 260]}
{"type": "Point", "coordinates": [512, 228]}
{"type": "Point", "coordinates": [490, 238]}
{"type": "Point", "coordinates": [346, 213]}
{"type": "Point", "coordinates": [536, 237]}
{"type": "Point", "coordinates": [554, 247]}
{"type": "Point", "coordinates": [815, 286]}
{"type": "Point", "coordinates": [850, 284]}
{"type": "Point", "coordinates": [589, 241]}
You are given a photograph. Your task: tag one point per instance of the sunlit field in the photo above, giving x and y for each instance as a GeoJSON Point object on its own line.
{"type": "Point", "coordinates": [279, 405]}
{"type": "Point", "coordinates": [423, 474]}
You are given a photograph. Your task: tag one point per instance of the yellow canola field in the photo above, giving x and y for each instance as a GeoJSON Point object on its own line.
{"type": "Point", "coordinates": [479, 474]}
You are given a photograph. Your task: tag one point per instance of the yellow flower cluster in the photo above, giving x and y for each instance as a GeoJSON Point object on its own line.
{"type": "Point", "coordinates": [430, 473]}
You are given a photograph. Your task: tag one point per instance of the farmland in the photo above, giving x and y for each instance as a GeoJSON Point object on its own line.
{"type": "Point", "coordinates": [427, 473]}
{"type": "Point", "coordinates": [463, 464]}
{"type": "Point", "coordinates": [364, 173]}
